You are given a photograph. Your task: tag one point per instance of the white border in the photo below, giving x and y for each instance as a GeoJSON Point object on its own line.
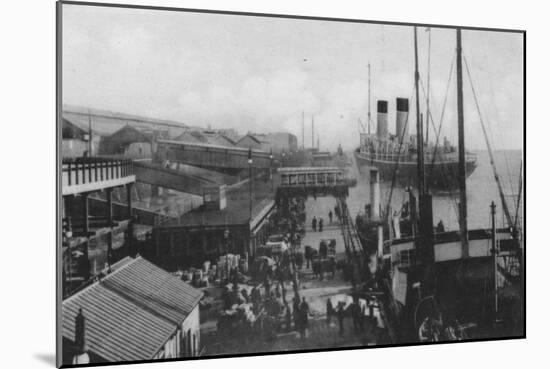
{"type": "Point", "coordinates": [28, 180]}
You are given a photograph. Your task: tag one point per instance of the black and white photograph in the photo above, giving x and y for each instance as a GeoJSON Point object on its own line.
{"type": "Point", "coordinates": [235, 184]}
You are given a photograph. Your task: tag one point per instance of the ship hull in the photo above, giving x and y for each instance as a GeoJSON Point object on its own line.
{"type": "Point", "coordinates": [439, 175]}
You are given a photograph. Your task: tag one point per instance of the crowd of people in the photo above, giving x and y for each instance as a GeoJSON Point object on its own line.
{"type": "Point", "coordinates": [263, 309]}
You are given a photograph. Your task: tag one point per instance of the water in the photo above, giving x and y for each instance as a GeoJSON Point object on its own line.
{"type": "Point", "coordinates": [481, 190]}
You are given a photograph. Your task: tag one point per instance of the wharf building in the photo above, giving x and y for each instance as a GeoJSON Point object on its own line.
{"type": "Point", "coordinates": [92, 238]}
{"type": "Point", "coordinates": [235, 219]}
{"type": "Point", "coordinates": [130, 186]}
{"type": "Point", "coordinates": [137, 311]}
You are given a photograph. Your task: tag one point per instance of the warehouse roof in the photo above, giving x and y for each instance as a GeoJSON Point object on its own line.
{"type": "Point", "coordinates": [132, 312]}
{"type": "Point", "coordinates": [237, 211]}
{"type": "Point", "coordinates": [105, 123]}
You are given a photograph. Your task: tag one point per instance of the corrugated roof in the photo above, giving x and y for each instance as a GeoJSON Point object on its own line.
{"type": "Point", "coordinates": [105, 123]}
{"type": "Point", "coordinates": [132, 312]}
{"type": "Point", "coordinates": [155, 289]}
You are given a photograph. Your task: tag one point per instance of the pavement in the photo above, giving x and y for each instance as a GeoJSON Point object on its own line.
{"type": "Point", "coordinates": [333, 231]}
{"type": "Point", "coordinates": [321, 333]}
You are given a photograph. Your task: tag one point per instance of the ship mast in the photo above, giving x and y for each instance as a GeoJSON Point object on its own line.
{"type": "Point", "coordinates": [312, 133]}
{"type": "Point", "coordinates": [428, 88]}
{"type": "Point", "coordinates": [424, 245]}
{"type": "Point", "coordinates": [368, 114]}
{"type": "Point", "coordinates": [419, 130]}
{"type": "Point", "coordinates": [89, 133]}
{"type": "Point", "coordinates": [303, 129]}
{"type": "Point", "coordinates": [461, 149]}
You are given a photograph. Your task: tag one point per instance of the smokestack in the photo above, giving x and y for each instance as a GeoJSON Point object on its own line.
{"type": "Point", "coordinates": [382, 119]}
{"type": "Point", "coordinates": [81, 356]}
{"type": "Point", "coordinates": [374, 194]}
{"type": "Point", "coordinates": [401, 120]}
{"type": "Point", "coordinates": [80, 332]}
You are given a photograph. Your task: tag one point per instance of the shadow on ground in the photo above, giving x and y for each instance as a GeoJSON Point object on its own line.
{"type": "Point", "coordinates": [46, 358]}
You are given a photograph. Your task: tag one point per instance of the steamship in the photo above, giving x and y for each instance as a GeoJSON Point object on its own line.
{"type": "Point", "coordinates": [396, 155]}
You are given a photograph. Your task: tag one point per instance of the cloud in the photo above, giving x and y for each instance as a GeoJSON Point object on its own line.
{"type": "Point", "coordinates": [250, 74]}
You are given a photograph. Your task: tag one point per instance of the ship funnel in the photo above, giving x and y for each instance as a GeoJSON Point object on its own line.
{"type": "Point", "coordinates": [382, 120]}
{"type": "Point", "coordinates": [401, 120]}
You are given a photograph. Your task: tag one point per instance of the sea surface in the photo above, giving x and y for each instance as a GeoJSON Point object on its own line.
{"type": "Point", "coordinates": [481, 190]}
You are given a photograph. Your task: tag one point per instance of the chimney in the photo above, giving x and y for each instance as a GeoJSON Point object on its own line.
{"type": "Point", "coordinates": [81, 355]}
{"type": "Point", "coordinates": [80, 332]}
{"type": "Point", "coordinates": [401, 120]}
{"type": "Point", "coordinates": [382, 120]}
{"type": "Point", "coordinates": [374, 194]}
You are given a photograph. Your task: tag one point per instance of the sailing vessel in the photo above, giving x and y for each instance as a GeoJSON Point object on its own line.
{"type": "Point", "coordinates": [448, 285]}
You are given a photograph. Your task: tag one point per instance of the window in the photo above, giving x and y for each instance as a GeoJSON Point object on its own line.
{"type": "Point", "coordinates": [321, 178]}
{"type": "Point", "coordinates": [406, 257]}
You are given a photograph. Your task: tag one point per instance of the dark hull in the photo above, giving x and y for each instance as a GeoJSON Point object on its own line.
{"type": "Point", "coordinates": [441, 176]}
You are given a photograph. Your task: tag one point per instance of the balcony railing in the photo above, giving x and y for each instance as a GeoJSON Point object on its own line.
{"type": "Point", "coordinates": [82, 171]}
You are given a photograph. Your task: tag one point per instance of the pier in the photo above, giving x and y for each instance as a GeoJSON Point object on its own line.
{"type": "Point", "coordinates": [241, 197]}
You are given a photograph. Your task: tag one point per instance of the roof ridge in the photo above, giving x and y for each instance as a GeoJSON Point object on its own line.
{"type": "Point", "coordinates": [156, 297]}
{"type": "Point", "coordinates": [99, 278]}
{"type": "Point", "coordinates": [118, 290]}
{"type": "Point", "coordinates": [124, 116]}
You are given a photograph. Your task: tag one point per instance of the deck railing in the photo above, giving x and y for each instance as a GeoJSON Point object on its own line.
{"type": "Point", "coordinates": [403, 158]}
{"type": "Point", "coordinates": [78, 171]}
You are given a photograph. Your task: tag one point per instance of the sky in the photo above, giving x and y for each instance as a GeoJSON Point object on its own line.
{"type": "Point", "coordinates": [259, 74]}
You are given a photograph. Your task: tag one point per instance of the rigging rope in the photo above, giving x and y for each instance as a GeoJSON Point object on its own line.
{"type": "Point", "coordinates": [496, 114]}
{"type": "Point", "coordinates": [491, 157]}
{"type": "Point", "coordinates": [436, 154]}
{"type": "Point", "coordinates": [438, 135]}
{"type": "Point", "coordinates": [519, 196]}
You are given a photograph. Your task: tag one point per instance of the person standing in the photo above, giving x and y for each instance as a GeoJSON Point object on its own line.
{"type": "Point", "coordinates": [308, 255]}
{"type": "Point", "coordinates": [299, 259]}
{"type": "Point", "coordinates": [314, 224]}
{"type": "Point", "coordinates": [355, 314]}
{"type": "Point", "coordinates": [340, 314]}
{"type": "Point", "coordinates": [288, 317]}
{"type": "Point", "coordinates": [332, 263]}
{"type": "Point", "coordinates": [304, 310]}
{"type": "Point", "coordinates": [320, 224]}
{"type": "Point", "coordinates": [296, 312]}
{"type": "Point", "coordinates": [330, 311]}
{"type": "Point", "coordinates": [330, 216]}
